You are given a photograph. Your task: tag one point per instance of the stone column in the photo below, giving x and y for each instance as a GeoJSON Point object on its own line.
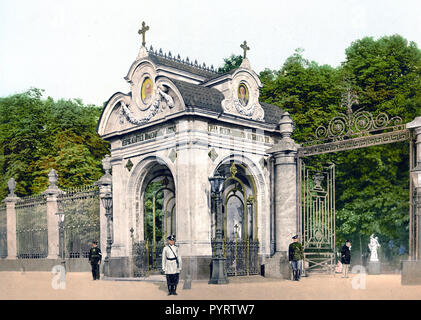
{"type": "Point", "coordinates": [411, 270]}
{"type": "Point", "coordinates": [10, 202]}
{"type": "Point", "coordinates": [285, 161]}
{"type": "Point", "coordinates": [192, 190]}
{"type": "Point", "coordinates": [415, 125]}
{"type": "Point", "coordinates": [52, 219]}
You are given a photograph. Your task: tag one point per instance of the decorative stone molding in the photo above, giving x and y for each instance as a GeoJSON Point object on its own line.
{"type": "Point", "coordinates": [232, 104]}
{"type": "Point", "coordinates": [160, 103]}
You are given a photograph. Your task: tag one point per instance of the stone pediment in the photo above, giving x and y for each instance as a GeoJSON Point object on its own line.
{"type": "Point", "coordinates": [241, 92]}
{"type": "Point", "coordinates": [152, 97]}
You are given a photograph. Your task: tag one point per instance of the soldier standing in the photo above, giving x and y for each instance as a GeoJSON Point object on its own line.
{"type": "Point", "coordinates": [95, 257]}
{"type": "Point", "coordinates": [171, 264]}
{"type": "Point", "coordinates": [295, 255]}
{"type": "Point", "coordinates": [346, 258]}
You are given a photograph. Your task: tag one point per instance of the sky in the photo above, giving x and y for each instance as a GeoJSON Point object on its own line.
{"type": "Point", "coordinates": [83, 49]}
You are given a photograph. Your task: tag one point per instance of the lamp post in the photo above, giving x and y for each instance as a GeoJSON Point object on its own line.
{"type": "Point", "coordinates": [107, 202]}
{"type": "Point", "coordinates": [416, 180]}
{"type": "Point", "coordinates": [106, 196]}
{"type": "Point", "coordinates": [219, 274]}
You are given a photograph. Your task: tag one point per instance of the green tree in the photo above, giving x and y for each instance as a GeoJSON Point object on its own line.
{"type": "Point", "coordinates": [372, 183]}
{"type": "Point", "coordinates": [231, 63]}
{"type": "Point", "coordinates": [38, 134]}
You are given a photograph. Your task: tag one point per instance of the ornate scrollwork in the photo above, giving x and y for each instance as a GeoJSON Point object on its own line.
{"type": "Point", "coordinates": [354, 124]}
{"type": "Point", "coordinates": [252, 110]}
{"type": "Point", "coordinates": [153, 109]}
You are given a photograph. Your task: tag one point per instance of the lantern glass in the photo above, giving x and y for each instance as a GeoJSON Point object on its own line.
{"type": "Point", "coordinates": [217, 184]}
{"type": "Point", "coordinates": [416, 175]}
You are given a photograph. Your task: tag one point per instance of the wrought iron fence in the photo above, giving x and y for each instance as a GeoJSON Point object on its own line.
{"type": "Point", "coordinates": [242, 256]}
{"type": "Point", "coordinates": [147, 257]}
{"type": "Point", "coordinates": [31, 227]}
{"type": "Point", "coordinates": [81, 220]}
{"type": "Point", "coordinates": [3, 231]}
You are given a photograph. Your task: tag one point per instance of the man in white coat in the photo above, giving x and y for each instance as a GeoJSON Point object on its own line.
{"type": "Point", "coordinates": [171, 264]}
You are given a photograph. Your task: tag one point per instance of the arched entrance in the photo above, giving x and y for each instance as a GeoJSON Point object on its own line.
{"type": "Point", "coordinates": [158, 212]}
{"type": "Point", "coordinates": [239, 206]}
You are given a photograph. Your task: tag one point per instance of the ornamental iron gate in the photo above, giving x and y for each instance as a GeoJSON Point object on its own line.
{"type": "Point", "coordinates": [242, 256]}
{"type": "Point", "coordinates": [31, 227]}
{"type": "Point", "coordinates": [146, 258]}
{"type": "Point", "coordinates": [318, 217]}
{"type": "Point", "coordinates": [316, 188]}
{"type": "Point", "coordinates": [81, 220]}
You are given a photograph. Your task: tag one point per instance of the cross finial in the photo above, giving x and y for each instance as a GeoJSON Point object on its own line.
{"type": "Point", "coordinates": [245, 48]}
{"type": "Point", "coordinates": [143, 32]}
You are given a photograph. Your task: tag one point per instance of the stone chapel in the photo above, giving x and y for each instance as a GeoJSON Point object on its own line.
{"type": "Point", "coordinates": [180, 124]}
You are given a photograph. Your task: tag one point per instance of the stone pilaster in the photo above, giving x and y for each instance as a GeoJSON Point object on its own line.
{"type": "Point", "coordinates": [415, 125]}
{"type": "Point", "coordinates": [10, 202]}
{"type": "Point", "coordinates": [52, 218]}
{"type": "Point", "coordinates": [285, 170]}
{"type": "Point", "coordinates": [411, 274]}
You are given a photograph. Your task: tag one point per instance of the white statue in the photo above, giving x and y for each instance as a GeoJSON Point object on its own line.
{"type": "Point", "coordinates": [373, 246]}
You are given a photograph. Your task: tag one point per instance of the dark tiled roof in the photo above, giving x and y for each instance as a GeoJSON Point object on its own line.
{"type": "Point", "coordinates": [218, 75]}
{"type": "Point", "coordinates": [210, 99]}
{"type": "Point", "coordinates": [272, 113]}
{"type": "Point", "coordinates": [174, 63]}
{"type": "Point", "coordinates": [200, 96]}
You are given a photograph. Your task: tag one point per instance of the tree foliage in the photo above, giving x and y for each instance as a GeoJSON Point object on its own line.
{"type": "Point", "coordinates": [231, 63]}
{"type": "Point", "coordinates": [37, 135]}
{"type": "Point", "coordinates": [372, 183]}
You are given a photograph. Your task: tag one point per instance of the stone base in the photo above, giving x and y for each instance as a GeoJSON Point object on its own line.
{"type": "Point", "coordinates": [199, 267]}
{"type": "Point", "coordinates": [278, 266]}
{"type": "Point", "coordinates": [411, 272]}
{"type": "Point", "coordinates": [374, 267]}
{"type": "Point", "coordinates": [22, 265]}
{"type": "Point", "coordinates": [120, 267]}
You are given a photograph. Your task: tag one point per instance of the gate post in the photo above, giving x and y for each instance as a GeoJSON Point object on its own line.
{"type": "Point", "coordinates": [52, 219]}
{"type": "Point", "coordinates": [285, 162]}
{"type": "Point", "coordinates": [10, 202]}
{"type": "Point", "coordinates": [411, 270]}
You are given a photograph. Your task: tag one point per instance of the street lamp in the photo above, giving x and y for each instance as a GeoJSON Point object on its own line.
{"type": "Point", "coordinates": [107, 202]}
{"type": "Point", "coordinates": [416, 180]}
{"type": "Point", "coordinates": [219, 274]}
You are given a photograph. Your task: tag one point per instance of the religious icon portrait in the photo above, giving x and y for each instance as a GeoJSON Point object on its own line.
{"type": "Point", "coordinates": [243, 94]}
{"type": "Point", "coordinates": [147, 90]}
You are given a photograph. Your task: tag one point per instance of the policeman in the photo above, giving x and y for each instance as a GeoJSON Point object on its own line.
{"type": "Point", "coordinates": [295, 255]}
{"type": "Point", "coordinates": [95, 257]}
{"type": "Point", "coordinates": [171, 264]}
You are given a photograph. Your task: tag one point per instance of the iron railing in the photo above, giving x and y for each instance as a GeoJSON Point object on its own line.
{"type": "Point", "coordinates": [81, 225]}
{"type": "Point", "coordinates": [242, 256]}
{"type": "Point", "coordinates": [31, 227]}
{"type": "Point", "coordinates": [146, 257]}
{"type": "Point", "coordinates": [3, 231]}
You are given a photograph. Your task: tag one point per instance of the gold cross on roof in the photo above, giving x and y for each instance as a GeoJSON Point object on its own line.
{"type": "Point", "coordinates": [245, 48]}
{"type": "Point", "coordinates": [143, 32]}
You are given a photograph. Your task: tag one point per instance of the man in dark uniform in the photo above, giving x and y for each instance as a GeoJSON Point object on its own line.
{"type": "Point", "coordinates": [346, 258]}
{"type": "Point", "coordinates": [95, 257]}
{"type": "Point", "coordinates": [295, 255]}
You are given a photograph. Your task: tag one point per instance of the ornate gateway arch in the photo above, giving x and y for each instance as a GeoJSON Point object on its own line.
{"type": "Point", "coordinates": [316, 195]}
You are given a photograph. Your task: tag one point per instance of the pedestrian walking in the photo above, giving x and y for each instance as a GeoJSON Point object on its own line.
{"type": "Point", "coordinates": [295, 256]}
{"type": "Point", "coordinates": [171, 264]}
{"type": "Point", "coordinates": [346, 258]}
{"type": "Point", "coordinates": [95, 257]}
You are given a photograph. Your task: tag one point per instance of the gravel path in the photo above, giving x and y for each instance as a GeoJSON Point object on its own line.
{"type": "Point", "coordinates": [39, 285]}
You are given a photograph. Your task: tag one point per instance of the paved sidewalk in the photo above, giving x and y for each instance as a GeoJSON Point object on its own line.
{"type": "Point", "coordinates": [39, 285]}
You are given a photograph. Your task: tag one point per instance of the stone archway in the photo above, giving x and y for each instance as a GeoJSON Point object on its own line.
{"type": "Point", "coordinates": [240, 201]}
{"type": "Point", "coordinates": [153, 185]}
